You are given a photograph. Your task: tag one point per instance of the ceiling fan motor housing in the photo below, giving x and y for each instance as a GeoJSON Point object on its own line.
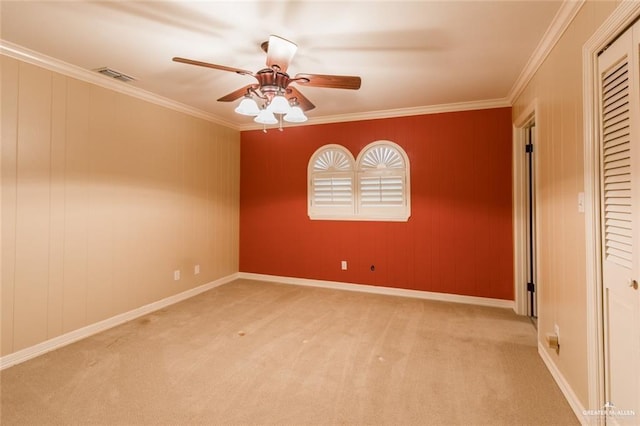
{"type": "Point", "coordinates": [272, 81]}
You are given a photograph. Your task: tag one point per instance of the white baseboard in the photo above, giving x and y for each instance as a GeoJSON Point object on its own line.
{"type": "Point", "coordinates": [81, 333]}
{"type": "Point", "coordinates": [84, 332]}
{"type": "Point", "coordinates": [444, 297]}
{"type": "Point", "coordinates": [564, 386]}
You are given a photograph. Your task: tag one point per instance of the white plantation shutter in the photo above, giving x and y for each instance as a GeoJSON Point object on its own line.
{"type": "Point", "coordinates": [333, 191]}
{"type": "Point", "coordinates": [377, 189]}
{"type": "Point", "coordinates": [383, 190]}
{"type": "Point", "coordinates": [331, 186]}
{"type": "Point", "coordinates": [616, 140]}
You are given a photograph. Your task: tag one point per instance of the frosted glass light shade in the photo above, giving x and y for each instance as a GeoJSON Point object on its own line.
{"type": "Point", "coordinates": [266, 117]}
{"type": "Point", "coordinates": [295, 115]}
{"type": "Point", "coordinates": [248, 106]}
{"type": "Point", "coordinates": [279, 105]}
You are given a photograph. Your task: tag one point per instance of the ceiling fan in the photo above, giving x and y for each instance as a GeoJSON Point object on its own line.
{"type": "Point", "coordinates": [273, 87]}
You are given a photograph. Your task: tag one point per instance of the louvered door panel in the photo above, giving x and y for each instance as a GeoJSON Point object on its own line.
{"type": "Point", "coordinates": [619, 120]}
{"type": "Point", "coordinates": [617, 166]}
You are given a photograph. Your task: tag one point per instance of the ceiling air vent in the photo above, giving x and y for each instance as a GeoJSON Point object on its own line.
{"type": "Point", "coordinates": [115, 74]}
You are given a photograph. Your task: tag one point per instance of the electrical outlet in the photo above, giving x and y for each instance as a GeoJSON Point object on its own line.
{"type": "Point", "coordinates": [176, 275]}
{"type": "Point", "coordinates": [581, 202]}
{"type": "Point", "coordinates": [196, 269]}
{"type": "Point", "coordinates": [343, 265]}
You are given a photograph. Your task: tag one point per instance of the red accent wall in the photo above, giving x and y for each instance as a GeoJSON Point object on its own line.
{"type": "Point", "coordinates": [458, 239]}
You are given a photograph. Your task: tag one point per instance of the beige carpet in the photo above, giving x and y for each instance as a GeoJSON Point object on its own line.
{"type": "Point", "coordinates": [260, 353]}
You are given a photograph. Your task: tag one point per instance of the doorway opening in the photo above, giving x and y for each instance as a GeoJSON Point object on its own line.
{"type": "Point", "coordinates": [530, 223]}
{"type": "Point", "coordinates": [524, 213]}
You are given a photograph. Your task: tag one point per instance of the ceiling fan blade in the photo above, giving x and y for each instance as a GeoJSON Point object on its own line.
{"type": "Point", "coordinates": [214, 66]}
{"type": "Point", "coordinates": [237, 94]}
{"type": "Point", "coordinates": [305, 104]}
{"type": "Point", "coordinates": [280, 52]}
{"type": "Point", "coordinates": [333, 81]}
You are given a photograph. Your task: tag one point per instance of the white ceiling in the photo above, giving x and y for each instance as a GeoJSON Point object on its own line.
{"type": "Point", "coordinates": [409, 54]}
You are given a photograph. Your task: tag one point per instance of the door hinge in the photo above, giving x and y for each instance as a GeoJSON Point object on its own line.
{"type": "Point", "coordinates": [531, 287]}
{"type": "Point", "coordinates": [528, 148]}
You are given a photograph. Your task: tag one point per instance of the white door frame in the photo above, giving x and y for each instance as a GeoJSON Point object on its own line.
{"type": "Point", "coordinates": [615, 24]}
{"type": "Point", "coordinates": [520, 125]}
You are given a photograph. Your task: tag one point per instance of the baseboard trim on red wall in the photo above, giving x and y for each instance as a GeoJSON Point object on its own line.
{"type": "Point", "coordinates": [391, 291]}
{"type": "Point", "coordinates": [73, 336]}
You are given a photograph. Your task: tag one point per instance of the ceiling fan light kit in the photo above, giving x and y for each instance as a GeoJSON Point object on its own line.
{"type": "Point", "coordinates": [248, 106]}
{"type": "Point", "coordinates": [279, 105]}
{"type": "Point", "coordinates": [266, 117]}
{"type": "Point", "coordinates": [273, 86]}
{"type": "Point", "coordinates": [295, 115]}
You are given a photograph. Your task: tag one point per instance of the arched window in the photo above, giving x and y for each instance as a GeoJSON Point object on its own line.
{"type": "Point", "coordinates": [331, 183]}
{"type": "Point", "coordinates": [375, 187]}
{"type": "Point", "coordinates": [383, 182]}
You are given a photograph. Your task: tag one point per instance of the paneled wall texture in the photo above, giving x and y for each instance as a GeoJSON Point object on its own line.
{"type": "Point", "coordinates": [556, 89]}
{"type": "Point", "coordinates": [459, 237]}
{"type": "Point", "coordinates": [103, 197]}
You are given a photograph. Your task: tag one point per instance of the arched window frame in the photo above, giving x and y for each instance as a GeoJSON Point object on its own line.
{"type": "Point", "coordinates": [382, 166]}
{"type": "Point", "coordinates": [330, 168]}
{"type": "Point", "coordinates": [388, 195]}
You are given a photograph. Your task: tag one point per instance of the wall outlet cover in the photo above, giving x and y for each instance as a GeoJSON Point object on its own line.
{"type": "Point", "coordinates": [581, 202]}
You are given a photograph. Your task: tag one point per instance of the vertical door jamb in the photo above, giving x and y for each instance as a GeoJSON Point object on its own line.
{"type": "Point", "coordinates": [532, 257]}
{"type": "Point", "coordinates": [520, 212]}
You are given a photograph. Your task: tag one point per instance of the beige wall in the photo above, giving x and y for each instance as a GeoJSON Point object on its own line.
{"type": "Point", "coordinates": [557, 87]}
{"type": "Point", "coordinates": [103, 197]}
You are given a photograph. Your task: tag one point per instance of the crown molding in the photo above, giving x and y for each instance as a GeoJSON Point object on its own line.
{"type": "Point", "coordinates": [394, 113]}
{"type": "Point", "coordinates": [26, 55]}
{"type": "Point", "coordinates": [35, 58]}
{"type": "Point", "coordinates": [561, 21]}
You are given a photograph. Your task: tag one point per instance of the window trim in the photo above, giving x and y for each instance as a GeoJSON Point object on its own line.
{"type": "Point", "coordinates": [391, 213]}
{"type": "Point", "coordinates": [357, 212]}
{"type": "Point", "coordinates": [330, 212]}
